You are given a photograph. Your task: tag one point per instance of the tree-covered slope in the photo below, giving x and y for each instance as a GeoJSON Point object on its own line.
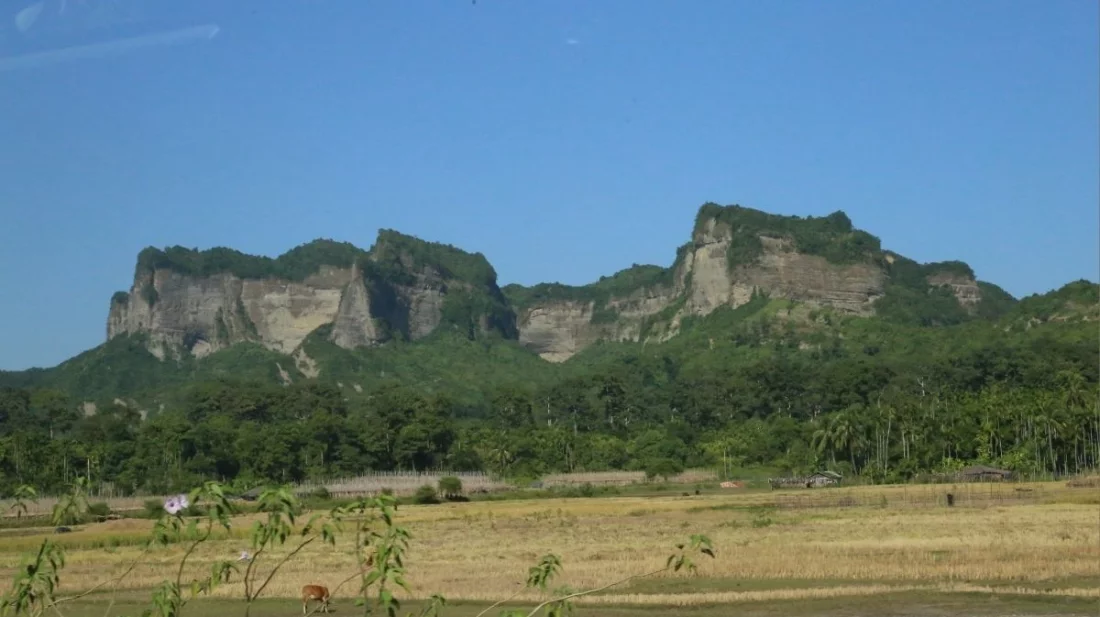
{"type": "Point", "coordinates": [944, 369]}
{"type": "Point", "coordinates": [772, 382]}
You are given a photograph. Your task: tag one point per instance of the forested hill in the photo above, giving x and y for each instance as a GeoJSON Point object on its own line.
{"type": "Point", "coordinates": [883, 366]}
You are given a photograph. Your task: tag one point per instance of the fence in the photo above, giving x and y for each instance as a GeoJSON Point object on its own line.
{"type": "Point", "coordinates": [622, 478]}
{"type": "Point", "coordinates": [961, 495]}
{"type": "Point", "coordinates": [402, 483]}
{"type": "Point", "coordinates": [43, 505]}
{"type": "Point", "coordinates": [399, 482]}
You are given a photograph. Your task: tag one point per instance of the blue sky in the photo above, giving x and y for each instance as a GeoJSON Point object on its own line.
{"type": "Point", "coordinates": [564, 139]}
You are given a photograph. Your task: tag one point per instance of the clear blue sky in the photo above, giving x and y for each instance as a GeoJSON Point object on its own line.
{"type": "Point", "coordinates": [564, 139]}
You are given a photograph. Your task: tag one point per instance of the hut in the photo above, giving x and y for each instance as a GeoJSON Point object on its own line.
{"type": "Point", "coordinates": [823, 478]}
{"type": "Point", "coordinates": [983, 473]}
{"type": "Point", "coordinates": [252, 494]}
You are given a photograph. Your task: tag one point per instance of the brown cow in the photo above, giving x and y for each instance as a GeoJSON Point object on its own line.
{"type": "Point", "coordinates": [315, 592]}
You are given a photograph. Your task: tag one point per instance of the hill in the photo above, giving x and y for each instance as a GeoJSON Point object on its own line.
{"type": "Point", "coordinates": [405, 289]}
{"type": "Point", "coordinates": [782, 341]}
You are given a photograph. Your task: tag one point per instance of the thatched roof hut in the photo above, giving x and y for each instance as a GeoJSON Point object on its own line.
{"type": "Point", "coordinates": [984, 473]}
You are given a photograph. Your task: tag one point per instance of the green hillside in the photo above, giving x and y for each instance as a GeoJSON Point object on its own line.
{"type": "Point", "coordinates": [923, 385]}
{"type": "Point", "coordinates": [772, 382]}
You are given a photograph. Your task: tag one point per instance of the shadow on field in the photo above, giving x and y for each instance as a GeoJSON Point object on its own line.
{"type": "Point", "coordinates": [886, 605]}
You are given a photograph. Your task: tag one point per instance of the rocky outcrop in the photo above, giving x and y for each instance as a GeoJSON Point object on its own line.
{"type": "Point", "coordinates": [378, 296]}
{"type": "Point", "coordinates": [206, 314]}
{"type": "Point", "coordinates": [354, 325]}
{"type": "Point", "coordinates": [557, 330]}
{"type": "Point", "coordinates": [780, 271]}
{"type": "Point", "coordinates": [407, 288]}
{"type": "Point", "coordinates": [424, 299]}
{"type": "Point", "coordinates": [703, 281]}
{"type": "Point", "coordinates": [965, 288]}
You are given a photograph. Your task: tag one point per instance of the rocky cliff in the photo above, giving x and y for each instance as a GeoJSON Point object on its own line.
{"type": "Point", "coordinates": [734, 252]}
{"type": "Point", "coordinates": [203, 301]}
{"type": "Point", "coordinates": [405, 288]}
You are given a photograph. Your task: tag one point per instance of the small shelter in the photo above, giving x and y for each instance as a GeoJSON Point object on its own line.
{"type": "Point", "coordinates": [983, 473]}
{"type": "Point", "coordinates": [823, 478]}
{"type": "Point", "coordinates": [252, 494]}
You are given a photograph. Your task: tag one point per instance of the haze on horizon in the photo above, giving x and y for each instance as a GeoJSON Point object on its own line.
{"type": "Point", "coordinates": [565, 140]}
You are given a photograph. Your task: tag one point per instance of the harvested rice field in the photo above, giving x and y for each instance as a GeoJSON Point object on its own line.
{"type": "Point", "coordinates": [883, 552]}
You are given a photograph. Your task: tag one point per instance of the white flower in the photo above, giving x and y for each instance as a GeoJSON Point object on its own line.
{"type": "Point", "coordinates": [176, 504]}
{"type": "Point", "coordinates": [171, 505]}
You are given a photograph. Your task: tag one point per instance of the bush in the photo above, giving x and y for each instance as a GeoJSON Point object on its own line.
{"type": "Point", "coordinates": [154, 508]}
{"type": "Point", "coordinates": [425, 495]}
{"type": "Point", "coordinates": [450, 487]}
{"type": "Point", "coordinates": [664, 467]}
{"type": "Point", "coordinates": [320, 493]}
{"type": "Point", "coordinates": [99, 509]}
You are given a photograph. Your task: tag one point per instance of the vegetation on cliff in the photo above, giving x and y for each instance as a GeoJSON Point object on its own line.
{"type": "Point", "coordinates": [472, 301]}
{"type": "Point", "coordinates": [832, 237]}
{"type": "Point", "coordinates": [909, 296]}
{"type": "Point", "coordinates": [621, 286]}
{"type": "Point", "coordinates": [398, 254]}
{"type": "Point", "coordinates": [1071, 301]}
{"type": "Point", "coordinates": [295, 265]}
{"type": "Point", "coordinates": [396, 264]}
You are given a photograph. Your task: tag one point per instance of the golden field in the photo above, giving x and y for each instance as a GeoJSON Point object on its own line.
{"type": "Point", "coordinates": [890, 542]}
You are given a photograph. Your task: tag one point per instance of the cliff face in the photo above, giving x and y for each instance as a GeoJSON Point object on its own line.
{"type": "Point", "coordinates": [780, 270]}
{"type": "Point", "coordinates": [733, 253]}
{"type": "Point", "coordinates": [406, 288]}
{"type": "Point", "coordinates": [965, 288]}
{"type": "Point", "coordinates": [205, 314]}
{"type": "Point", "coordinates": [557, 330]}
{"type": "Point", "coordinates": [204, 302]}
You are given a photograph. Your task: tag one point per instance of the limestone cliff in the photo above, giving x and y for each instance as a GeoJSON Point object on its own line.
{"type": "Point", "coordinates": [205, 314]}
{"type": "Point", "coordinates": [203, 301]}
{"type": "Point", "coordinates": [406, 288]}
{"type": "Point", "coordinates": [733, 253]}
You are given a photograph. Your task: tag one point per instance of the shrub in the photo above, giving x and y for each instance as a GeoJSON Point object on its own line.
{"type": "Point", "coordinates": [450, 487]}
{"type": "Point", "coordinates": [153, 508]}
{"type": "Point", "coordinates": [664, 467]}
{"type": "Point", "coordinates": [425, 494]}
{"type": "Point", "coordinates": [99, 510]}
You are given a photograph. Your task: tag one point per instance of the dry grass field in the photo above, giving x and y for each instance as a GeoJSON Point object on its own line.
{"type": "Point", "coordinates": [883, 545]}
{"type": "Point", "coordinates": [397, 482]}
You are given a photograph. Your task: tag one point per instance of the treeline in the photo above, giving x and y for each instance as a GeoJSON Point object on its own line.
{"type": "Point", "coordinates": [793, 411]}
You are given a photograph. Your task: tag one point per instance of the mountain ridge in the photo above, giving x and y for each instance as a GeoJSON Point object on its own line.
{"type": "Point", "coordinates": [405, 288]}
{"type": "Point", "coordinates": [464, 333]}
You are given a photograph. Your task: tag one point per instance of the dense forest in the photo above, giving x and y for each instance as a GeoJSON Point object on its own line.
{"type": "Point", "coordinates": [772, 383]}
